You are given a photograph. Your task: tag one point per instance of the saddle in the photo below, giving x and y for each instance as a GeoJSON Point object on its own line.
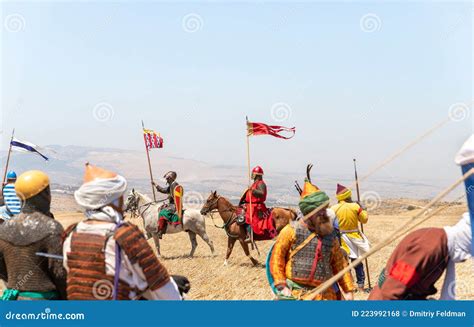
{"type": "Point", "coordinates": [168, 213]}
{"type": "Point", "coordinates": [263, 228]}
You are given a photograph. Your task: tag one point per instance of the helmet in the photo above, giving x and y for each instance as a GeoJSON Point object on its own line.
{"type": "Point", "coordinates": [171, 174]}
{"type": "Point", "coordinates": [11, 175]}
{"type": "Point", "coordinates": [257, 171]}
{"type": "Point", "coordinates": [31, 183]}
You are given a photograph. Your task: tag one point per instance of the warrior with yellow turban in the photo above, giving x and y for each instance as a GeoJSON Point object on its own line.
{"type": "Point", "coordinates": [307, 252]}
{"type": "Point", "coordinates": [28, 276]}
{"type": "Point", "coordinates": [354, 242]}
{"type": "Point", "coordinates": [106, 258]}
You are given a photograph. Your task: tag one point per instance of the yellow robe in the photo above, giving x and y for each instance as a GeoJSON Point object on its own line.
{"type": "Point", "coordinates": [349, 215]}
{"type": "Point", "coordinates": [281, 266]}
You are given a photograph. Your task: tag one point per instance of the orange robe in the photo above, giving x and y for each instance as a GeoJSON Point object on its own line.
{"type": "Point", "coordinates": [288, 256]}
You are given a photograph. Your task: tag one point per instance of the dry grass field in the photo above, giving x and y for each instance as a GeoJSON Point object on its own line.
{"type": "Point", "coordinates": [240, 280]}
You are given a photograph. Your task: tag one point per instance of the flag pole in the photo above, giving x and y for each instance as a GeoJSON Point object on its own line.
{"type": "Point", "coordinates": [149, 165]}
{"type": "Point", "coordinates": [249, 179]}
{"type": "Point", "coordinates": [361, 225]}
{"type": "Point", "coordinates": [8, 159]}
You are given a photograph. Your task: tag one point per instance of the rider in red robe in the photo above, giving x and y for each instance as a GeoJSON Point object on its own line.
{"type": "Point", "coordinates": [256, 213]}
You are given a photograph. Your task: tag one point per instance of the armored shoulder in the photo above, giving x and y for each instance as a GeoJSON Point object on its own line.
{"type": "Point", "coordinates": [29, 228]}
{"type": "Point", "coordinates": [133, 243]}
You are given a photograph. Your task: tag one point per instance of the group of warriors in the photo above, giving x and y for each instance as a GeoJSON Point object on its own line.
{"type": "Point", "coordinates": [103, 257]}
{"type": "Point", "coordinates": [100, 258]}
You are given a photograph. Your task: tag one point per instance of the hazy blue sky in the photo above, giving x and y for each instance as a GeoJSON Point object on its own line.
{"type": "Point", "coordinates": [357, 79]}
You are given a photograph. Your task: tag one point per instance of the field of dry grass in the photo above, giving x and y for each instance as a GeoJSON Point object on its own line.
{"type": "Point", "coordinates": [242, 281]}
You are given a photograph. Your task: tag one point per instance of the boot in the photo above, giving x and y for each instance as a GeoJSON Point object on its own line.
{"type": "Point", "coordinates": [247, 237]}
{"type": "Point", "coordinates": [162, 226]}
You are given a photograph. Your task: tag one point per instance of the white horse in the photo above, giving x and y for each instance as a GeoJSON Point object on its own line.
{"type": "Point", "coordinates": [193, 222]}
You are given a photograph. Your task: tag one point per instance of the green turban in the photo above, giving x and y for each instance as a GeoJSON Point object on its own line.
{"type": "Point", "coordinates": [313, 201]}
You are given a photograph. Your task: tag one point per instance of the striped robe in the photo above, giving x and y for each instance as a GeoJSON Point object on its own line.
{"type": "Point", "coordinates": [12, 201]}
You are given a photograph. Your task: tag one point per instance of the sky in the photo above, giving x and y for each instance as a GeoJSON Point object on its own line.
{"type": "Point", "coordinates": [356, 79]}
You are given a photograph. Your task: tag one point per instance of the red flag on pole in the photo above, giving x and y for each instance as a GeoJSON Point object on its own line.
{"type": "Point", "coordinates": [273, 130]}
{"type": "Point", "coordinates": [152, 139]}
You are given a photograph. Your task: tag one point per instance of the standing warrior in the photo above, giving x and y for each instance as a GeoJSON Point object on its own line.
{"type": "Point", "coordinates": [106, 258]}
{"type": "Point", "coordinates": [12, 202]}
{"type": "Point", "coordinates": [421, 258]}
{"type": "Point", "coordinates": [354, 242]}
{"type": "Point", "coordinates": [307, 252]}
{"type": "Point", "coordinates": [172, 211]}
{"type": "Point", "coordinates": [28, 276]}
{"type": "Point", "coordinates": [253, 200]}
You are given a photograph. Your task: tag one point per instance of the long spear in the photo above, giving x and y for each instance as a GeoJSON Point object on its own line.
{"type": "Point", "coordinates": [149, 165]}
{"type": "Point", "coordinates": [250, 180]}
{"type": "Point", "coordinates": [362, 225]}
{"type": "Point", "coordinates": [8, 159]}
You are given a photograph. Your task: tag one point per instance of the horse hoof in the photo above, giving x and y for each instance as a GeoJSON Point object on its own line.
{"type": "Point", "coordinates": [225, 263]}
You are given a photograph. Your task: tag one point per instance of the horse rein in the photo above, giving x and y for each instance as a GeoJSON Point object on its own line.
{"type": "Point", "coordinates": [136, 212]}
{"type": "Point", "coordinates": [229, 222]}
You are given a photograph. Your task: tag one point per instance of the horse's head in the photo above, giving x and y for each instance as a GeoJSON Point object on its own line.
{"type": "Point", "coordinates": [132, 201]}
{"type": "Point", "coordinates": [211, 203]}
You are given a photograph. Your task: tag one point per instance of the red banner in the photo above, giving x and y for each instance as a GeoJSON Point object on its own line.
{"type": "Point", "coordinates": [152, 139]}
{"type": "Point", "coordinates": [273, 130]}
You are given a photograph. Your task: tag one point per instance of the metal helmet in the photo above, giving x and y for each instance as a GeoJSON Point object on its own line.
{"type": "Point", "coordinates": [171, 174]}
{"type": "Point", "coordinates": [257, 171]}
{"type": "Point", "coordinates": [11, 175]}
{"type": "Point", "coordinates": [31, 183]}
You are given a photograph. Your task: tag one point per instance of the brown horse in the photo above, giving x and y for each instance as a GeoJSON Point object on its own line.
{"type": "Point", "coordinates": [227, 211]}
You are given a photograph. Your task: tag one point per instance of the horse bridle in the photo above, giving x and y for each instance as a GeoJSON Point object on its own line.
{"type": "Point", "coordinates": [136, 211]}
{"type": "Point", "coordinates": [226, 225]}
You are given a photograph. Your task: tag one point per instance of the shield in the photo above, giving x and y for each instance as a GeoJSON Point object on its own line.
{"type": "Point", "coordinates": [270, 279]}
{"type": "Point", "coordinates": [178, 200]}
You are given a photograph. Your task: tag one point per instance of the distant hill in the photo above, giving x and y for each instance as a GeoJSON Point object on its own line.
{"type": "Point", "coordinates": [66, 166]}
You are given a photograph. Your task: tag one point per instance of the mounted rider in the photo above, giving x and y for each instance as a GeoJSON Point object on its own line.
{"type": "Point", "coordinates": [253, 203]}
{"type": "Point", "coordinates": [106, 258]}
{"type": "Point", "coordinates": [12, 205]}
{"type": "Point", "coordinates": [171, 212]}
{"type": "Point", "coordinates": [27, 275]}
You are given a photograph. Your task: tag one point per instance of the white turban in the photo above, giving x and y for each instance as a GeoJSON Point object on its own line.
{"type": "Point", "coordinates": [100, 192]}
{"type": "Point", "coordinates": [466, 154]}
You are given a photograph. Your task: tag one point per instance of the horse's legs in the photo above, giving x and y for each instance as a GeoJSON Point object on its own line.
{"type": "Point", "coordinates": [194, 243]}
{"type": "Point", "coordinates": [245, 246]}
{"type": "Point", "coordinates": [230, 247]}
{"type": "Point", "coordinates": [206, 239]}
{"type": "Point", "coordinates": [157, 244]}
